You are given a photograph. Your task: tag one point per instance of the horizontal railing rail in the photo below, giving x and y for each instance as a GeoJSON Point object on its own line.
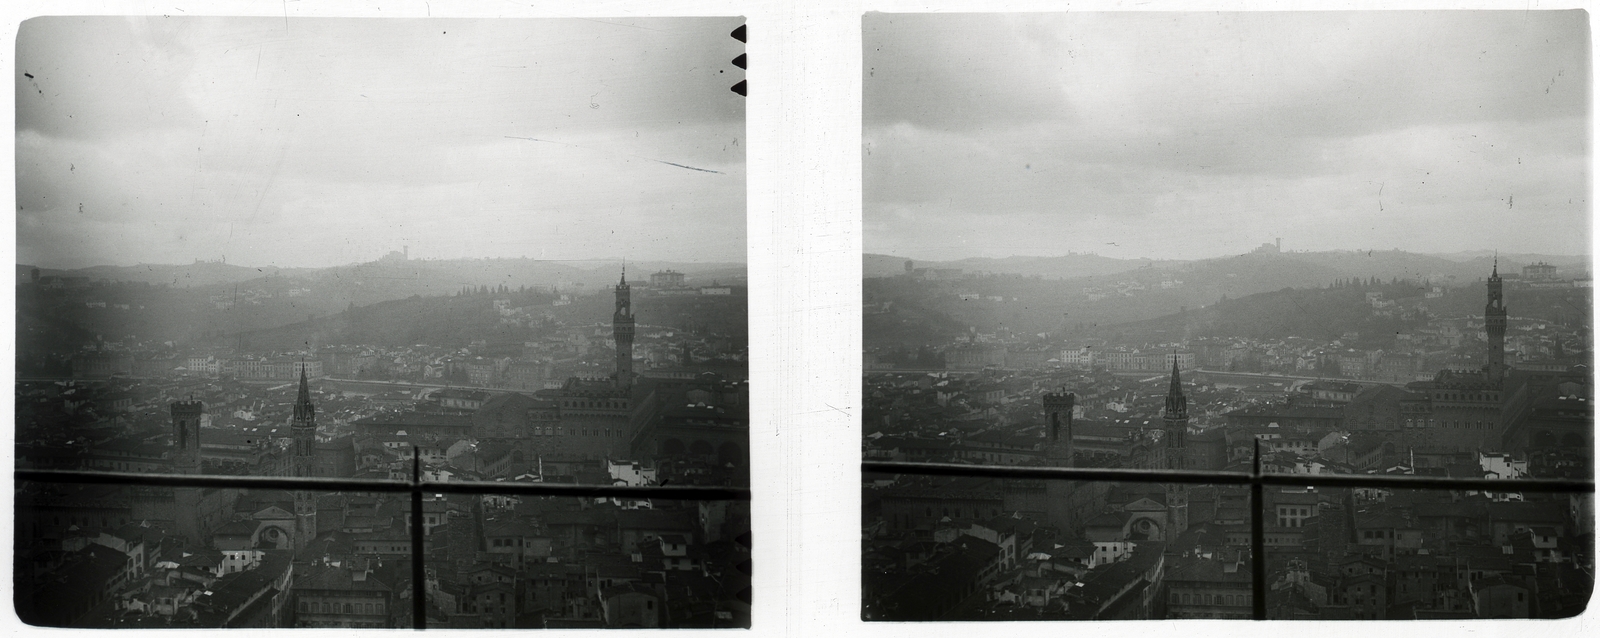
{"type": "Point", "coordinates": [1256, 479]}
{"type": "Point", "coordinates": [1123, 475]}
{"type": "Point", "coordinates": [674, 492]}
{"type": "Point", "coordinates": [416, 487]}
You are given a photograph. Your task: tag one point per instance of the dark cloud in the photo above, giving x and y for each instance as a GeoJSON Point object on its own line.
{"type": "Point", "coordinates": [91, 77]}
{"type": "Point", "coordinates": [357, 135]}
{"type": "Point", "coordinates": [1219, 125]}
{"type": "Point", "coordinates": [962, 74]}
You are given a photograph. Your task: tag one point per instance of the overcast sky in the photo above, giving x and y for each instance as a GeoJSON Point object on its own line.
{"type": "Point", "coordinates": [1194, 135]}
{"type": "Point", "coordinates": [314, 142]}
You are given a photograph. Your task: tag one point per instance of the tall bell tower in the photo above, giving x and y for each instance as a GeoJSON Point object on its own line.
{"type": "Point", "coordinates": [1175, 430]}
{"type": "Point", "coordinates": [186, 417]}
{"type": "Point", "coordinates": [1060, 495]}
{"type": "Point", "coordinates": [622, 332]}
{"type": "Point", "coordinates": [1494, 324]}
{"type": "Point", "coordinates": [303, 431]}
{"type": "Point", "coordinates": [1175, 421]}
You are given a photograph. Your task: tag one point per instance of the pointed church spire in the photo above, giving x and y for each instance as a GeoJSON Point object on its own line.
{"type": "Point", "coordinates": [1176, 387]}
{"type": "Point", "coordinates": [303, 410]}
{"type": "Point", "coordinates": [304, 432]}
{"type": "Point", "coordinates": [1177, 404]}
{"type": "Point", "coordinates": [1174, 430]}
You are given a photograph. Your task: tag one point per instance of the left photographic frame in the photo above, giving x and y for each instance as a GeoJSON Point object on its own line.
{"type": "Point", "coordinates": [373, 322]}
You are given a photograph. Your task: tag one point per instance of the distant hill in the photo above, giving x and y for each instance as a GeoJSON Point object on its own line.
{"type": "Point", "coordinates": [193, 275]}
{"type": "Point", "coordinates": [1458, 268]}
{"type": "Point", "coordinates": [1576, 262]}
{"type": "Point", "coordinates": [424, 275]}
{"type": "Point", "coordinates": [1062, 267]}
{"type": "Point", "coordinates": [456, 320]}
{"type": "Point", "coordinates": [1027, 305]}
{"type": "Point", "coordinates": [215, 301]}
{"type": "Point", "coordinates": [1315, 268]}
{"type": "Point", "coordinates": [910, 311]}
{"type": "Point", "coordinates": [1328, 313]}
{"type": "Point", "coordinates": [321, 291]}
{"type": "Point", "coordinates": [1322, 314]}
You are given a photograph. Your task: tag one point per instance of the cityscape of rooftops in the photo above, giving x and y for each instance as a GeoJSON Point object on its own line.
{"type": "Point", "coordinates": [481, 251]}
{"type": "Point", "coordinates": [1293, 243]}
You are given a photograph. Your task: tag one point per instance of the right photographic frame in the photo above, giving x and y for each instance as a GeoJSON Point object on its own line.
{"type": "Point", "coordinates": [1253, 315]}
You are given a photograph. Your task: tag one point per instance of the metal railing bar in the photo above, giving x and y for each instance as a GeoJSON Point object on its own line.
{"type": "Point", "coordinates": [327, 484]}
{"type": "Point", "coordinates": [671, 492]}
{"type": "Point", "coordinates": [416, 487]}
{"type": "Point", "coordinates": [1256, 479]}
{"type": "Point", "coordinates": [1055, 473]}
{"type": "Point", "coordinates": [419, 577]}
{"type": "Point", "coordinates": [1258, 550]}
{"type": "Point", "coordinates": [1413, 482]}
{"type": "Point", "coordinates": [1404, 481]}
{"type": "Point", "coordinates": [204, 480]}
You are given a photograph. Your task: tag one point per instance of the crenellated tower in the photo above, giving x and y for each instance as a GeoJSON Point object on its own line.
{"type": "Point", "coordinates": [1061, 496]}
{"type": "Point", "coordinates": [1058, 434]}
{"type": "Point", "coordinates": [186, 417]}
{"type": "Point", "coordinates": [1494, 324]}
{"type": "Point", "coordinates": [303, 431]}
{"type": "Point", "coordinates": [622, 332]}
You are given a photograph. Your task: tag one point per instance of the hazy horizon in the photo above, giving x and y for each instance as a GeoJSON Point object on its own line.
{"type": "Point", "coordinates": [584, 264]}
{"type": "Point", "coordinates": [1477, 253]}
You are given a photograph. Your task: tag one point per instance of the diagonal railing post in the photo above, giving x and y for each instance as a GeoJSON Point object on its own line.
{"type": "Point", "coordinates": [419, 602]}
{"type": "Point", "coordinates": [1258, 550]}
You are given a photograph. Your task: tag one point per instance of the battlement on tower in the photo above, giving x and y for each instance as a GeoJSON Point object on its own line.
{"type": "Point", "coordinates": [1059, 400]}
